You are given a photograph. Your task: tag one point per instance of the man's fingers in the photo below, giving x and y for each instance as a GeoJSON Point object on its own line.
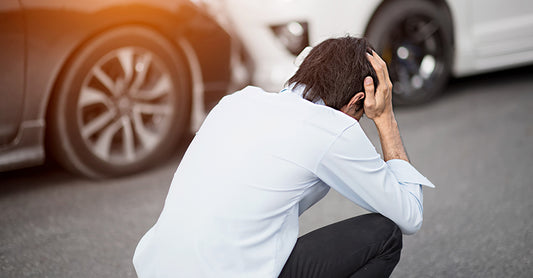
{"type": "Point", "coordinates": [379, 59]}
{"type": "Point", "coordinates": [381, 69]}
{"type": "Point", "coordinates": [384, 67]}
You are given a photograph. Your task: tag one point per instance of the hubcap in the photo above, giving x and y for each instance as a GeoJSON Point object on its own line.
{"type": "Point", "coordinates": [125, 105]}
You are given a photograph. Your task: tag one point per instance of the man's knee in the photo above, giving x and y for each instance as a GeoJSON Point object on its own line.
{"type": "Point", "coordinates": [385, 230]}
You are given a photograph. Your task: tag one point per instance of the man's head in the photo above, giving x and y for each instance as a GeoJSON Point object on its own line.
{"type": "Point", "coordinates": [334, 71]}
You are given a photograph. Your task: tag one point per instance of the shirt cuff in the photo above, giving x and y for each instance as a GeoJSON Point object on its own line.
{"type": "Point", "coordinates": [405, 172]}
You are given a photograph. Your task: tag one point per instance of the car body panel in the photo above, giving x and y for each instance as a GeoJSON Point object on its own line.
{"type": "Point", "coordinates": [274, 64]}
{"type": "Point", "coordinates": [55, 29]}
{"type": "Point", "coordinates": [489, 36]}
{"type": "Point", "coordinates": [12, 61]}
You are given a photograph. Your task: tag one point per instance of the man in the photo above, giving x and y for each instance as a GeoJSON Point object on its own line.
{"type": "Point", "coordinates": [261, 159]}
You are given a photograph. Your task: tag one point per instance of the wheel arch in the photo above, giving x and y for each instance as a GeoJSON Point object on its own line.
{"type": "Point", "coordinates": [182, 54]}
{"type": "Point", "coordinates": [180, 44]}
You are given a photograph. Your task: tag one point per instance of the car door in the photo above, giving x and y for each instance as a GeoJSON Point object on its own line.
{"type": "Point", "coordinates": [502, 32]}
{"type": "Point", "coordinates": [11, 69]}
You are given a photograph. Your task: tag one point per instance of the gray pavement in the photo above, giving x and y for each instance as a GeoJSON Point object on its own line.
{"type": "Point", "coordinates": [475, 143]}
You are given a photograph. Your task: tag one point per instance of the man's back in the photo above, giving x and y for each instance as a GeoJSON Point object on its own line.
{"type": "Point", "coordinates": [250, 164]}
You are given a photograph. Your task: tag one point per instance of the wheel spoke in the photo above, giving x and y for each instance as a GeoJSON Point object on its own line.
{"type": "Point", "coordinates": [128, 139]}
{"type": "Point", "coordinates": [153, 109]}
{"type": "Point", "coordinates": [105, 80]}
{"type": "Point", "coordinates": [141, 67]}
{"type": "Point", "coordinates": [125, 57]}
{"type": "Point", "coordinates": [103, 145]}
{"type": "Point", "coordinates": [425, 31]}
{"type": "Point", "coordinates": [427, 66]}
{"type": "Point", "coordinates": [89, 96]}
{"type": "Point", "coordinates": [148, 139]}
{"type": "Point", "coordinates": [97, 124]}
{"type": "Point", "coordinates": [161, 88]}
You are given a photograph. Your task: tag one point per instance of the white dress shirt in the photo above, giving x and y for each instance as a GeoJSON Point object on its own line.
{"type": "Point", "coordinates": [258, 161]}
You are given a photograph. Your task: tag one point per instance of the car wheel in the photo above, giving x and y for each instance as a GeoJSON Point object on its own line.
{"type": "Point", "coordinates": [414, 38]}
{"type": "Point", "coordinates": [121, 104]}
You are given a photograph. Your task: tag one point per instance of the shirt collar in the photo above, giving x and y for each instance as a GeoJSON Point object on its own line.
{"type": "Point", "coordinates": [299, 90]}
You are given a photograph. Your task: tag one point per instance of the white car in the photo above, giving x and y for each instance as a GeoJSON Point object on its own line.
{"type": "Point", "coordinates": [423, 41]}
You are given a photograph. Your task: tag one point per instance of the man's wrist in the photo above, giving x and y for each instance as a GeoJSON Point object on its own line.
{"type": "Point", "coordinates": [389, 135]}
{"type": "Point", "coordinates": [385, 121]}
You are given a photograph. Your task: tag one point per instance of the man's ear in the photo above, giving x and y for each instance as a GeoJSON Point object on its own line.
{"type": "Point", "coordinates": [351, 108]}
{"type": "Point", "coordinates": [356, 98]}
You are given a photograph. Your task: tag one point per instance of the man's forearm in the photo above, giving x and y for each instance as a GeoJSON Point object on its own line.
{"type": "Point", "coordinates": [378, 107]}
{"type": "Point", "coordinates": [389, 136]}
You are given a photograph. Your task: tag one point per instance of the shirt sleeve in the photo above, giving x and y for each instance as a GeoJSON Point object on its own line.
{"type": "Point", "coordinates": [352, 167]}
{"type": "Point", "coordinates": [314, 194]}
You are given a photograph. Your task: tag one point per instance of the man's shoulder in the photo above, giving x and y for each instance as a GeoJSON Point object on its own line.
{"type": "Point", "coordinates": [246, 94]}
{"type": "Point", "coordinates": [247, 91]}
{"type": "Point", "coordinates": [330, 120]}
{"type": "Point", "coordinates": [291, 107]}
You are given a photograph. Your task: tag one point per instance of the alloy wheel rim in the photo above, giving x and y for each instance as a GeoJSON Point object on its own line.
{"type": "Point", "coordinates": [415, 54]}
{"type": "Point", "coordinates": [125, 105]}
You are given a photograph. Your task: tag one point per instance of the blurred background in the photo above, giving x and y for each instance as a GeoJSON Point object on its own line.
{"type": "Point", "coordinates": [100, 98]}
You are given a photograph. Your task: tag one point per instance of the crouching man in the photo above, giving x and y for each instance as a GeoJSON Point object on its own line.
{"type": "Point", "coordinates": [260, 159]}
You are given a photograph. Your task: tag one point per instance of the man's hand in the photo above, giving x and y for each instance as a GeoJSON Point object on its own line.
{"type": "Point", "coordinates": [378, 103]}
{"type": "Point", "coordinates": [378, 107]}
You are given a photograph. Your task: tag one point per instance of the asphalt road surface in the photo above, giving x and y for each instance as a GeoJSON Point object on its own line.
{"type": "Point", "coordinates": [475, 143]}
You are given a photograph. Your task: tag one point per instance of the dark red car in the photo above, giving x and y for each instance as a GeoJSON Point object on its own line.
{"type": "Point", "coordinates": [107, 87]}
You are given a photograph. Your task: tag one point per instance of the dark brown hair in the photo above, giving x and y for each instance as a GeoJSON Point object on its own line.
{"type": "Point", "coordinates": [334, 71]}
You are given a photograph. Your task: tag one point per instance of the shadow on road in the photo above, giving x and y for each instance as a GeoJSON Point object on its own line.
{"type": "Point", "coordinates": [458, 85]}
{"type": "Point", "coordinates": [52, 174]}
{"type": "Point", "coordinates": [45, 175]}
{"type": "Point", "coordinates": [464, 85]}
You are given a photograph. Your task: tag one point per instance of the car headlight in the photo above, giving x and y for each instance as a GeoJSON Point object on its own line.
{"type": "Point", "coordinates": [293, 35]}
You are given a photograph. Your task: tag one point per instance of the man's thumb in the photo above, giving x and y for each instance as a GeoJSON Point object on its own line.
{"type": "Point", "coordinates": [369, 86]}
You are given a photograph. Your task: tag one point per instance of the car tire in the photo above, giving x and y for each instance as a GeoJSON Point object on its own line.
{"type": "Point", "coordinates": [415, 39]}
{"type": "Point", "coordinates": [121, 104]}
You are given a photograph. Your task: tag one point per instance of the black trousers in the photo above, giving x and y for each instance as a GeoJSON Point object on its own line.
{"type": "Point", "coordinates": [363, 246]}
